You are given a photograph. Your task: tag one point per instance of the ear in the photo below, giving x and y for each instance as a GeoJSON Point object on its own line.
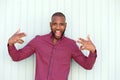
{"type": "Point", "coordinates": [65, 24]}
{"type": "Point", "coordinates": [50, 24]}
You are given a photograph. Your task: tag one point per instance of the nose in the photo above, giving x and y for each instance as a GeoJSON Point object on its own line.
{"type": "Point", "coordinates": [58, 26]}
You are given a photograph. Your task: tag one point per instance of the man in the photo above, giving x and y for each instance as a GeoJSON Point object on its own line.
{"type": "Point", "coordinates": [53, 51]}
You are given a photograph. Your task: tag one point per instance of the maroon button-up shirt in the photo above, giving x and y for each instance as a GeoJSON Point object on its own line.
{"type": "Point", "coordinates": [52, 61]}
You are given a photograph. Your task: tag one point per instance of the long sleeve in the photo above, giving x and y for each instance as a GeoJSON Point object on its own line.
{"type": "Point", "coordinates": [81, 59]}
{"type": "Point", "coordinates": [21, 54]}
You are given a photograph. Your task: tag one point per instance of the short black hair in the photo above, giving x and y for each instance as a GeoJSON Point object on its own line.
{"type": "Point", "coordinates": [58, 14]}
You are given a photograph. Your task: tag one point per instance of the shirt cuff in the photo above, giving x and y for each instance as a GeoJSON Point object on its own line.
{"type": "Point", "coordinates": [93, 54]}
{"type": "Point", "coordinates": [11, 47]}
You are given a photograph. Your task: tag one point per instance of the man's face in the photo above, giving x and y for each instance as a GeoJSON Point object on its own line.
{"type": "Point", "coordinates": [58, 26]}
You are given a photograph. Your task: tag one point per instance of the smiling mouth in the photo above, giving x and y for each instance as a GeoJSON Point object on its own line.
{"type": "Point", "coordinates": [58, 33]}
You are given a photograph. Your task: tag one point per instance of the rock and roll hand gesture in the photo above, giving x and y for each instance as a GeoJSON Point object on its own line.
{"type": "Point", "coordinates": [86, 44]}
{"type": "Point", "coordinates": [16, 38]}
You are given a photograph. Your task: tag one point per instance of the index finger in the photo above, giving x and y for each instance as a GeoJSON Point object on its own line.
{"type": "Point", "coordinates": [80, 40]}
{"type": "Point", "coordinates": [21, 35]}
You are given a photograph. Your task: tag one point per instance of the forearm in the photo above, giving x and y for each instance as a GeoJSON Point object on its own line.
{"type": "Point", "coordinates": [84, 61]}
{"type": "Point", "coordinates": [20, 54]}
{"type": "Point", "coordinates": [13, 52]}
{"type": "Point", "coordinates": [91, 59]}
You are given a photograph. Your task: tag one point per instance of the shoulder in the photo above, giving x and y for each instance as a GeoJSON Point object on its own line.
{"type": "Point", "coordinates": [39, 37]}
{"type": "Point", "coordinates": [70, 42]}
{"type": "Point", "coordinates": [37, 40]}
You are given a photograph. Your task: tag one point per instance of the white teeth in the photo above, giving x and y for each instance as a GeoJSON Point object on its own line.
{"type": "Point", "coordinates": [57, 33]}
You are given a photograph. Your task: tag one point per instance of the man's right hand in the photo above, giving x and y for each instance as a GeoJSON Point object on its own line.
{"type": "Point", "coordinates": [16, 38]}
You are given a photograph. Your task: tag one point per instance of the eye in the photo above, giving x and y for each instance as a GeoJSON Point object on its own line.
{"type": "Point", "coordinates": [54, 24]}
{"type": "Point", "coordinates": [61, 24]}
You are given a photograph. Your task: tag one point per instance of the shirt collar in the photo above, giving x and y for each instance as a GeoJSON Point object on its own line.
{"type": "Point", "coordinates": [49, 38]}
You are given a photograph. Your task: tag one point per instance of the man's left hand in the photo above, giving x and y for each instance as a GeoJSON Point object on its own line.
{"type": "Point", "coordinates": [86, 44]}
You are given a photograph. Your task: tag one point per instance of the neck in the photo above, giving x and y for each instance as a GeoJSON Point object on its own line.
{"type": "Point", "coordinates": [55, 40]}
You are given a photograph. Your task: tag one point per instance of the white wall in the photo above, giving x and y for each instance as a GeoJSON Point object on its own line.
{"type": "Point", "coordinates": [99, 18]}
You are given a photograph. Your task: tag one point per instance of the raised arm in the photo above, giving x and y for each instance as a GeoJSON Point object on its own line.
{"type": "Point", "coordinates": [20, 54]}
{"type": "Point", "coordinates": [80, 58]}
